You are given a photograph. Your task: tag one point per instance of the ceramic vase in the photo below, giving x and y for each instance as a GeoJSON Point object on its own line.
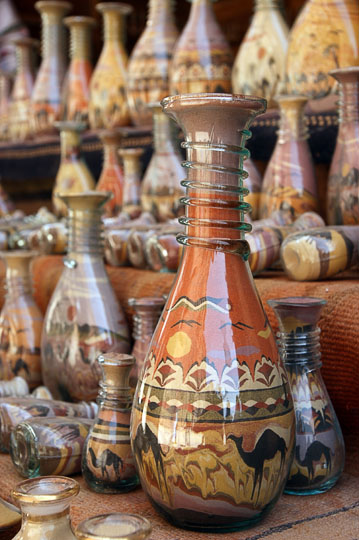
{"type": "Point", "coordinates": [108, 102]}
{"type": "Point", "coordinates": [199, 418]}
{"type": "Point", "coordinates": [202, 58]}
{"type": "Point", "coordinates": [259, 67]}
{"type": "Point", "coordinates": [115, 526]}
{"type": "Point", "coordinates": [111, 177]}
{"type": "Point", "coordinates": [324, 36]}
{"type": "Point", "coordinates": [131, 159]}
{"type": "Point", "coordinates": [45, 505]}
{"type": "Point", "coordinates": [73, 175]}
{"type": "Point", "coordinates": [150, 60]}
{"type": "Point", "coordinates": [83, 318]}
{"type": "Point", "coordinates": [107, 464]}
{"type": "Point", "coordinates": [20, 322]}
{"type": "Point", "coordinates": [161, 188]}
{"type": "Point", "coordinates": [20, 108]}
{"type": "Point", "coordinates": [343, 181]}
{"type": "Point", "coordinates": [289, 182]}
{"type": "Point", "coordinates": [46, 95]}
{"type": "Point", "coordinates": [76, 87]}
{"type": "Point", "coordinates": [5, 85]}
{"type": "Point", "coordinates": [319, 446]}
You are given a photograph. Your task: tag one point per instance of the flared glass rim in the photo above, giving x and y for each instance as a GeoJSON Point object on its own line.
{"type": "Point", "coordinates": [22, 492]}
{"type": "Point", "coordinates": [255, 102]}
{"type": "Point", "coordinates": [83, 531]}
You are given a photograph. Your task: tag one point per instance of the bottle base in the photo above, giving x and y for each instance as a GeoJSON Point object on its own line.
{"type": "Point", "coordinates": [315, 490]}
{"type": "Point", "coordinates": [112, 488]}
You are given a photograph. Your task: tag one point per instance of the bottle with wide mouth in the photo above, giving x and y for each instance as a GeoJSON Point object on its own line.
{"type": "Point", "coordinates": [213, 356]}
{"type": "Point", "coordinates": [45, 506]}
{"type": "Point", "coordinates": [114, 526]}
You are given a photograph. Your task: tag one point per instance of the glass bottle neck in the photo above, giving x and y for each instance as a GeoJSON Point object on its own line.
{"type": "Point", "coordinates": [349, 102]}
{"type": "Point", "coordinates": [70, 145]}
{"type": "Point", "coordinates": [17, 286]}
{"type": "Point", "coordinates": [160, 12]}
{"type": "Point", "coordinates": [53, 36]}
{"type": "Point", "coordinates": [292, 124]}
{"type": "Point", "coordinates": [113, 27]}
{"type": "Point", "coordinates": [80, 43]}
{"type": "Point", "coordinates": [114, 397]}
{"type": "Point", "coordinates": [144, 322]}
{"type": "Point", "coordinates": [85, 233]}
{"type": "Point", "coordinates": [300, 350]}
{"type": "Point", "coordinates": [4, 88]}
{"type": "Point", "coordinates": [23, 59]}
{"type": "Point", "coordinates": [260, 5]}
{"type": "Point", "coordinates": [110, 154]}
{"type": "Point", "coordinates": [162, 133]}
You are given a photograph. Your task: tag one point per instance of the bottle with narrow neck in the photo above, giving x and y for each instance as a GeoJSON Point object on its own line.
{"type": "Point", "coordinates": [131, 158]}
{"type": "Point", "coordinates": [319, 450]}
{"type": "Point", "coordinates": [161, 188]}
{"type": "Point", "coordinates": [259, 66]}
{"type": "Point", "coordinates": [213, 354]}
{"type": "Point", "coordinates": [76, 88]}
{"type": "Point", "coordinates": [5, 81]}
{"type": "Point", "coordinates": [343, 182]}
{"type": "Point", "coordinates": [324, 36]}
{"type": "Point", "coordinates": [45, 505]}
{"type": "Point", "coordinates": [73, 175]}
{"type": "Point", "coordinates": [108, 103]}
{"type": "Point", "coordinates": [46, 96]}
{"type": "Point", "coordinates": [20, 322]}
{"type": "Point", "coordinates": [289, 182]}
{"type": "Point", "coordinates": [20, 118]}
{"type": "Point", "coordinates": [107, 464]}
{"type": "Point", "coordinates": [112, 177]}
{"type": "Point", "coordinates": [202, 58]}
{"type": "Point", "coordinates": [83, 318]}
{"type": "Point", "coordinates": [149, 64]}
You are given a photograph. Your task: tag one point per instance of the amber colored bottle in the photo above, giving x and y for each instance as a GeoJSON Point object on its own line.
{"type": "Point", "coordinates": [202, 58]}
{"type": "Point", "coordinates": [73, 175]}
{"type": "Point", "coordinates": [213, 397]}
{"type": "Point", "coordinates": [149, 63]}
{"type": "Point", "coordinates": [289, 182]}
{"type": "Point", "coordinates": [20, 322]}
{"type": "Point", "coordinates": [46, 95]}
{"type": "Point", "coordinates": [111, 177]}
{"type": "Point", "coordinates": [108, 101]}
{"type": "Point", "coordinates": [76, 87]}
{"type": "Point", "coordinates": [131, 159]}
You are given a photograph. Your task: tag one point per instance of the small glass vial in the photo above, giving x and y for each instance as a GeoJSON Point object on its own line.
{"type": "Point", "coordinates": [108, 465]}
{"type": "Point", "coordinates": [114, 526]}
{"type": "Point", "coordinates": [319, 451]}
{"type": "Point", "coordinates": [147, 312]}
{"type": "Point", "coordinates": [45, 506]}
{"type": "Point", "coordinates": [44, 446]}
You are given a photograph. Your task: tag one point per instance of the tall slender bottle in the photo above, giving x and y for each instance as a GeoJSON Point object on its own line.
{"type": "Point", "coordinates": [111, 177]}
{"type": "Point", "coordinates": [131, 158]}
{"type": "Point", "coordinates": [259, 66]}
{"type": "Point", "coordinates": [46, 96]}
{"type": "Point", "coordinates": [289, 182]}
{"type": "Point", "coordinates": [76, 87]}
{"type": "Point", "coordinates": [20, 322]}
{"type": "Point", "coordinates": [108, 101]}
{"type": "Point", "coordinates": [83, 318]}
{"type": "Point", "coordinates": [212, 420]}
{"type": "Point", "coordinates": [343, 181]}
{"type": "Point", "coordinates": [202, 59]}
{"type": "Point", "coordinates": [149, 63]}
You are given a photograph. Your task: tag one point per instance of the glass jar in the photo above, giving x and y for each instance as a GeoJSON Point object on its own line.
{"type": "Point", "coordinates": [131, 158]}
{"type": "Point", "coordinates": [83, 318]}
{"type": "Point", "coordinates": [114, 526]}
{"type": "Point", "coordinates": [107, 463]}
{"type": "Point", "coordinates": [45, 506]}
{"type": "Point", "coordinates": [111, 177]}
{"type": "Point", "coordinates": [319, 448]}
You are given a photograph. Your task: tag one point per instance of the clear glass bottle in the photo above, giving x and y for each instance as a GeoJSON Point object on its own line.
{"type": "Point", "coordinates": [343, 180]}
{"type": "Point", "coordinates": [319, 451]}
{"type": "Point", "coordinates": [131, 158]}
{"type": "Point", "coordinates": [161, 188]}
{"type": "Point", "coordinates": [5, 83]}
{"type": "Point", "coordinates": [20, 108]}
{"type": "Point", "coordinates": [114, 526]}
{"type": "Point", "coordinates": [289, 182]}
{"type": "Point", "coordinates": [46, 95]}
{"type": "Point", "coordinates": [108, 102]}
{"type": "Point", "coordinates": [14, 410]}
{"type": "Point", "coordinates": [76, 88]}
{"type": "Point", "coordinates": [73, 175]}
{"type": "Point", "coordinates": [199, 420]}
{"type": "Point", "coordinates": [17, 387]}
{"type": "Point", "coordinates": [83, 318]}
{"type": "Point", "coordinates": [44, 446]}
{"type": "Point", "coordinates": [147, 312]}
{"type": "Point", "coordinates": [20, 322]}
{"type": "Point", "coordinates": [148, 67]}
{"type": "Point", "coordinates": [108, 465]}
{"type": "Point", "coordinates": [45, 506]}
{"type": "Point", "coordinates": [259, 67]}
{"type": "Point", "coordinates": [111, 178]}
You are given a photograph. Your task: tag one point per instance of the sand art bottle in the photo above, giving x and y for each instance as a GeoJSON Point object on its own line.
{"type": "Point", "coordinates": [131, 159]}
{"type": "Point", "coordinates": [108, 465]}
{"type": "Point", "coordinates": [200, 419]}
{"type": "Point", "coordinates": [111, 177]}
{"type": "Point", "coordinates": [319, 451]}
{"type": "Point", "coordinates": [83, 318]}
